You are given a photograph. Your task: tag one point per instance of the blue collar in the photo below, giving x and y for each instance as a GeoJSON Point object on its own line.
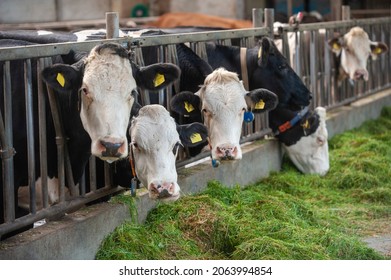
{"type": "Point", "coordinates": [287, 125]}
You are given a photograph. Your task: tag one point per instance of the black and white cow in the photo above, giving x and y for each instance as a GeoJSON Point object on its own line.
{"type": "Point", "coordinates": [268, 68]}
{"type": "Point", "coordinates": [155, 140]}
{"type": "Point", "coordinates": [95, 97]}
{"type": "Point", "coordinates": [222, 102]}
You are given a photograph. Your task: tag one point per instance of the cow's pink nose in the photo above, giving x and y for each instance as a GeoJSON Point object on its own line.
{"type": "Point", "coordinates": [226, 152]}
{"type": "Point", "coordinates": [361, 74]}
{"type": "Point", "coordinates": [162, 190]}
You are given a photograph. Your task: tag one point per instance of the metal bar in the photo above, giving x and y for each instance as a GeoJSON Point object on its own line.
{"type": "Point", "coordinates": [92, 175]}
{"type": "Point", "coordinates": [313, 68]}
{"type": "Point", "coordinates": [7, 145]}
{"type": "Point", "coordinates": [58, 210]}
{"type": "Point", "coordinates": [112, 25]}
{"type": "Point", "coordinates": [30, 134]}
{"type": "Point", "coordinates": [269, 21]}
{"type": "Point", "coordinates": [42, 135]}
{"type": "Point", "coordinates": [60, 141]}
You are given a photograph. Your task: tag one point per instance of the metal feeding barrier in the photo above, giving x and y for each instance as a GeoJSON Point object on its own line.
{"type": "Point", "coordinates": [313, 62]}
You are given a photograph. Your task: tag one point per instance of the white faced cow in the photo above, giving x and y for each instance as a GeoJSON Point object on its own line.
{"type": "Point", "coordinates": [105, 81]}
{"type": "Point", "coordinates": [353, 50]}
{"type": "Point", "coordinates": [155, 139]}
{"type": "Point", "coordinates": [223, 102]}
{"type": "Point", "coordinates": [303, 136]}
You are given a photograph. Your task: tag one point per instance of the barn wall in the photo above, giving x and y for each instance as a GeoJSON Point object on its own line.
{"type": "Point", "coordinates": [78, 235]}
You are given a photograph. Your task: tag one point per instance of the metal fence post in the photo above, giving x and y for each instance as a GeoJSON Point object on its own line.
{"type": "Point", "coordinates": [269, 21]}
{"type": "Point", "coordinates": [345, 12]}
{"type": "Point", "coordinates": [112, 25]}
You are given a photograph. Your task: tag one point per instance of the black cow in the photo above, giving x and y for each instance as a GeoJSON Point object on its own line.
{"type": "Point", "coordinates": [95, 99]}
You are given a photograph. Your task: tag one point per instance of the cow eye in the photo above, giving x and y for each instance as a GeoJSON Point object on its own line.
{"type": "Point", "coordinates": [134, 144]}
{"type": "Point", "coordinates": [84, 90]}
{"type": "Point", "coordinates": [282, 66]}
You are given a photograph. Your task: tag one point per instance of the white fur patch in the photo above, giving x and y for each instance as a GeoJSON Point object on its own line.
{"type": "Point", "coordinates": [154, 133]}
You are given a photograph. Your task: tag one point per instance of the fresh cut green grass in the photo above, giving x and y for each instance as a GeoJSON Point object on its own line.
{"type": "Point", "coordinates": [285, 216]}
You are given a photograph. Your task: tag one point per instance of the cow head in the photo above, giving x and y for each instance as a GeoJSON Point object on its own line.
{"type": "Point", "coordinates": [269, 69]}
{"type": "Point", "coordinates": [104, 82]}
{"type": "Point", "coordinates": [353, 50]}
{"type": "Point", "coordinates": [154, 145]}
{"type": "Point", "coordinates": [222, 101]}
{"type": "Point", "coordinates": [305, 142]}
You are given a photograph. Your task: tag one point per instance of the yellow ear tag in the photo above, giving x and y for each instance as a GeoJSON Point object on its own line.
{"type": "Point", "coordinates": [336, 46]}
{"type": "Point", "coordinates": [260, 105]}
{"type": "Point", "coordinates": [377, 50]}
{"type": "Point", "coordinates": [306, 125]}
{"type": "Point", "coordinates": [188, 107]}
{"type": "Point", "coordinates": [159, 79]}
{"type": "Point", "coordinates": [195, 138]}
{"type": "Point", "coordinates": [260, 52]}
{"type": "Point", "coordinates": [61, 79]}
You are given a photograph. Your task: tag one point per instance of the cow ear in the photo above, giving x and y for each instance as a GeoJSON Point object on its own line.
{"type": "Point", "coordinates": [378, 48]}
{"type": "Point", "coordinates": [62, 78]}
{"type": "Point", "coordinates": [192, 134]}
{"type": "Point", "coordinates": [186, 104]}
{"type": "Point", "coordinates": [156, 76]}
{"type": "Point", "coordinates": [261, 100]}
{"type": "Point", "coordinates": [335, 45]}
{"type": "Point", "coordinates": [263, 51]}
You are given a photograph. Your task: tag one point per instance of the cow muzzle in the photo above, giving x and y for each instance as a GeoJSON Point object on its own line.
{"type": "Point", "coordinates": [110, 148]}
{"type": "Point", "coordinates": [166, 191]}
{"type": "Point", "coordinates": [227, 152]}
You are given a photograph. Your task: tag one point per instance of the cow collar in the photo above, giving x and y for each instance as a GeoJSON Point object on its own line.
{"type": "Point", "coordinates": [243, 68]}
{"type": "Point", "coordinates": [135, 182]}
{"type": "Point", "coordinates": [288, 124]}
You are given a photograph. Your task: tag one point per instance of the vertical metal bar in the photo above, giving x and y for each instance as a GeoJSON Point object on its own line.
{"type": "Point", "coordinates": [161, 51]}
{"type": "Point", "coordinates": [60, 142]}
{"type": "Point", "coordinates": [30, 134]}
{"type": "Point", "coordinates": [92, 165]}
{"type": "Point", "coordinates": [257, 15]}
{"type": "Point", "coordinates": [269, 21]}
{"type": "Point", "coordinates": [7, 142]}
{"type": "Point", "coordinates": [112, 25]}
{"type": "Point", "coordinates": [313, 68]}
{"type": "Point", "coordinates": [42, 135]}
{"type": "Point", "coordinates": [345, 12]}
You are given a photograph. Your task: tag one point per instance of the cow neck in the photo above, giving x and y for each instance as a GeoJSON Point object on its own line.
{"type": "Point", "coordinates": [243, 67]}
{"type": "Point", "coordinates": [291, 123]}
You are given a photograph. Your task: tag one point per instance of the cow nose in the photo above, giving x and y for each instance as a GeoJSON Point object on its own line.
{"type": "Point", "coordinates": [226, 152]}
{"type": "Point", "coordinates": [111, 149]}
{"type": "Point", "coordinates": [360, 74]}
{"type": "Point", "coordinates": [162, 190]}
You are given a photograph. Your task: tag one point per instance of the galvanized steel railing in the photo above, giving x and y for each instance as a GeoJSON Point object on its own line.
{"type": "Point", "coordinates": [314, 64]}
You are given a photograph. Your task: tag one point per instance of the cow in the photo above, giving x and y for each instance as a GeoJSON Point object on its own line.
{"type": "Point", "coordinates": [268, 68]}
{"type": "Point", "coordinates": [223, 101]}
{"type": "Point", "coordinates": [352, 51]}
{"type": "Point", "coordinates": [155, 141]}
{"type": "Point", "coordinates": [95, 99]}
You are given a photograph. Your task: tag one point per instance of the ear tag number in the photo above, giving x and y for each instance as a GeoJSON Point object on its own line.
{"type": "Point", "coordinates": [189, 108]}
{"type": "Point", "coordinates": [60, 79]}
{"type": "Point", "coordinates": [195, 138]}
{"type": "Point", "coordinates": [260, 105]}
{"type": "Point", "coordinates": [248, 116]}
{"type": "Point", "coordinates": [159, 79]}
